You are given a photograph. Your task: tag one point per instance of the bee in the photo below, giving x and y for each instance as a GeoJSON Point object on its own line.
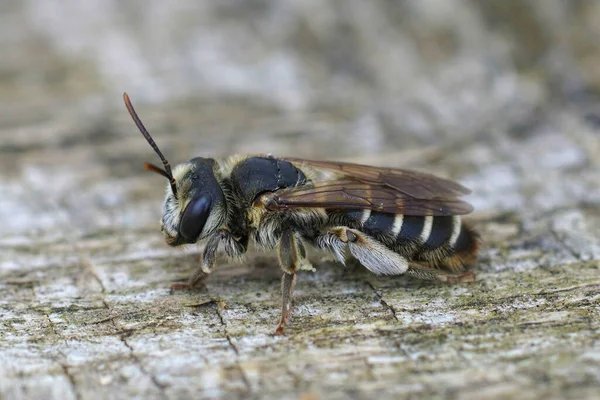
{"type": "Point", "coordinates": [392, 221]}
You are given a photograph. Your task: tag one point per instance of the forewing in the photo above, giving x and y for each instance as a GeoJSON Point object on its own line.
{"type": "Point", "coordinates": [353, 194]}
{"type": "Point", "coordinates": [414, 184]}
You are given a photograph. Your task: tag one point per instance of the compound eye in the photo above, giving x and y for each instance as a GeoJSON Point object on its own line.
{"type": "Point", "coordinates": [194, 217]}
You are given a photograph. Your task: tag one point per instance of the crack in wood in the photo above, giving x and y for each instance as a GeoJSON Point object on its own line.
{"type": "Point", "coordinates": [140, 365]}
{"type": "Point", "coordinates": [219, 312]}
{"type": "Point", "coordinates": [63, 366]}
{"type": "Point", "coordinates": [564, 245]}
{"type": "Point", "coordinates": [122, 333]}
{"type": "Point", "coordinates": [381, 300]}
{"type": "Point", "coordinates": [88, 267]}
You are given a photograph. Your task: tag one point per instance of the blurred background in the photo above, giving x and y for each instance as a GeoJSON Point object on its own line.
{"type": "Point", "coordinates": [490, 93]}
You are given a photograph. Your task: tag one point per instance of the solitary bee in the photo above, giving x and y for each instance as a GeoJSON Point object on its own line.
{"type": "Point", "coordinates": [393, 221]}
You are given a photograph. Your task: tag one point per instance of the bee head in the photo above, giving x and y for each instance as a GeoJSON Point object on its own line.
{"type": "Point", "coordinates": [194, 204]}
{"type": "Point", "coordinates": [199, 208]}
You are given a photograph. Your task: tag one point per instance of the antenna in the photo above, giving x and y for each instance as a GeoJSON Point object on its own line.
{"type": "Point", "coordinates": [167, 171]}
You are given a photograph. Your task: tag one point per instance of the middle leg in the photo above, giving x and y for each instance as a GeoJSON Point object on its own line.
{"type": "Point", "coordinates": [289, 259]}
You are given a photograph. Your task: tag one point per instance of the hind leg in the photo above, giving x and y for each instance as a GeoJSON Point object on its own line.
{"type": "Point", "coordinates": [375, 256]}
{"type": "Point", "coordinates": [378, 258]}
{"type": "Point", "coordinates": [431, 274]}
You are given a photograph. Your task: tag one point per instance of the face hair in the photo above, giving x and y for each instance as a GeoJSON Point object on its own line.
{"type": "Point", "coordinates": [167, 171]}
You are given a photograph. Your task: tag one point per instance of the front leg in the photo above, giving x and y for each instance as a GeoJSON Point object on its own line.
{"type": "Point", "coordinates": [289, 260]}
{"type": "Point", "coordinates": [231, 246]}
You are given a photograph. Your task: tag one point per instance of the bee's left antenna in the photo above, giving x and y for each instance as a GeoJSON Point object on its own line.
{"type": "Point", "coordinates": [167, 171]}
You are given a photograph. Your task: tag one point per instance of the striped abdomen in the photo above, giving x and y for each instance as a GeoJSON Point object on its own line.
{"type": "Point", "coordinates": [444, 242]}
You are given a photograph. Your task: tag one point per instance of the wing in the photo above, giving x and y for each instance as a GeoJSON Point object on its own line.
{"type": "Point", "coordinates": [412, 183]}
{"type": "Point", "coordinates": [353, 194]}
{"type": "Point", "coordinates": [396, 191]}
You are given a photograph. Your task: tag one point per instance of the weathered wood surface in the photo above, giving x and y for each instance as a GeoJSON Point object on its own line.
{"type": "Point", "coordinates": [504, 101]}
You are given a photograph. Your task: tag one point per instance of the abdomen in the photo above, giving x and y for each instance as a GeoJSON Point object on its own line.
{"type": "Point", "coordinates": [441, 241]}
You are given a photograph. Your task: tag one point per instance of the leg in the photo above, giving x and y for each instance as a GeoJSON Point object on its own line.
{"type": "Point", "coordinates": [375, 256]}
{"type": "Point", "coordinates": [289, 257]}
{"type": "Point", "coordinates": [431, 274]}
{"type": "Point", "coordinates": [288, 281]}
{"type": "Point", "coordinates": [304, 263]}
{"type": "Point", "coordinates": [231, 246]}
{"type": "Point", "coordinates": [379, 259]}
